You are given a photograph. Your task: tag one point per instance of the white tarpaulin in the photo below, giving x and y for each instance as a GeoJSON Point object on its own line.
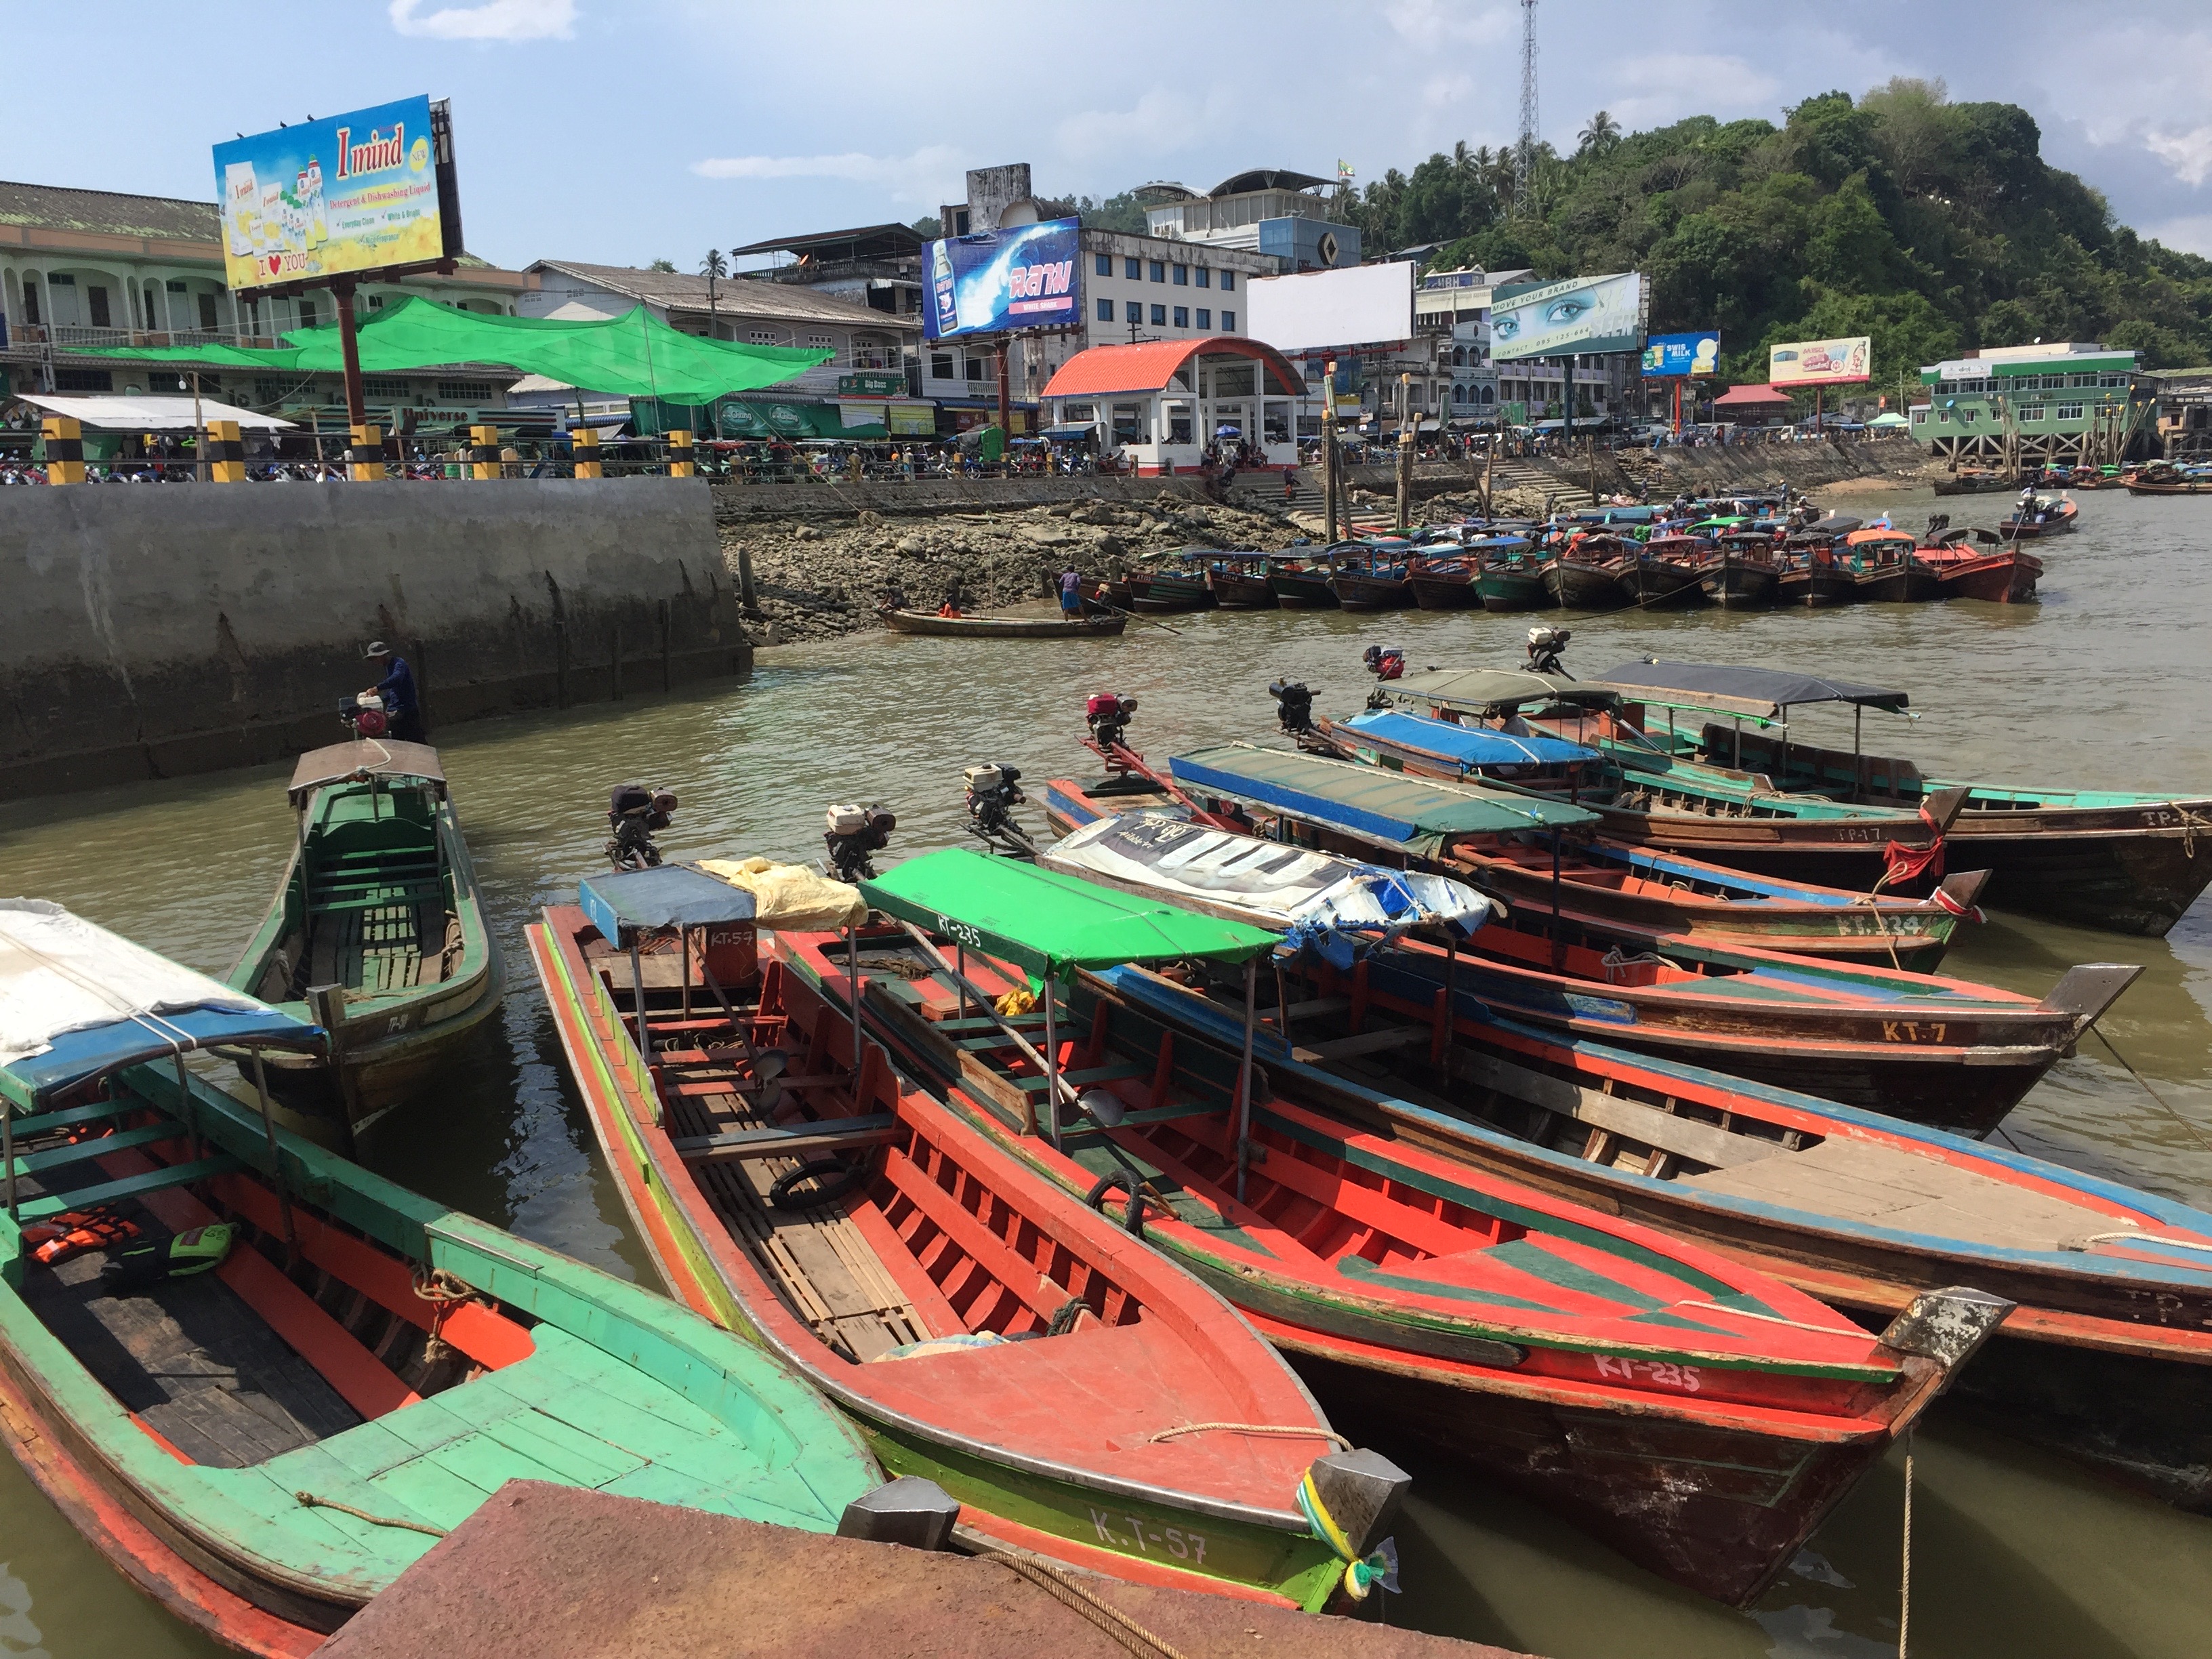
{"type": "Point", "coordinates": [60, 973]}
{"type": "Point", "coordinates": [150, 414]}
{"type": "Point", "coordinates": [1335, 904]}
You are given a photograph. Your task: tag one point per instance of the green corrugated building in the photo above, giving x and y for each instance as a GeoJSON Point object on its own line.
{"type": "Point", "coordinates": [2074, 403]}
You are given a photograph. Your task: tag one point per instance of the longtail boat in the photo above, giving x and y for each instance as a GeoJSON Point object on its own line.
{"type": "Point", "coordinates": [1743, 575]}
{"type": "Point", "coordinates": [2129, 861]}
{"type": "Point", "coordinates": [1003, 628]}
{"type": "Point", "coordinates": [1305, 588]}
{"type": "Point", "coordinates": [2165, 479]}
{"type": "Point", "coordinates": [1167, 591]}
{"type": "Point", "coordinates": [1700, 1416]}
{"type": "Point", "coordinates": [1942, 1051]}
{"type": "Point", "coordinates": [1445, 584]}
{"type": "Point", "coordinates": [2106, 1359]}
{"type": "Point", "coordinates": [1512, 576]}
{"type": "Point", "coordinates": [1586, 575]}
{"type": "Point", "coordinates": [262, 1382]}
{"type": "Point", "coordinates": [1239, 580]}
{"type": "Point", "coordinates": [2038, 516]}
{"type": "Point", "coordinates": [1886, 566]}
{"type": "Point", "coordinates": [1995, 572]}
{"type": "Point", "coordinates": [983, 1329]}
{"type": "Point", "coordinates": [378, 922]}
{"type": "Point", "coordinates": [1372, 583]}
{"type": "Point", "coordinates": [1666, 573]}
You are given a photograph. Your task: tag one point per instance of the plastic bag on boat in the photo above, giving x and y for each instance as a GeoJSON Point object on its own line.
{"type": "Point", "coordinates": [790, 898]}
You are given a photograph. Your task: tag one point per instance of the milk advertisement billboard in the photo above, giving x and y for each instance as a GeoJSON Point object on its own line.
{"type": "Point", "coordinates": [363, 191]}
{"type": "Point", "coordinates": [1821, 363]}
{"type": "Point", "coordinates": [1565, 318]}
{"type": "Point", "coordinates": [1680, 356]}
{"type": "Point", "coordinates": [1020, 276]}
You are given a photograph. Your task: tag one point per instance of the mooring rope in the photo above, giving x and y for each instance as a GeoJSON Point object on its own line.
{"type": "Point", "coordinates": [2193, 1132]}
{"type": "Point", "coordinates": [1107, 1618]}
{"type": "Point", "coordinates": [309, 1500]}
{"type": "Point", "coordinates": [1290, 1430]}
{"type": "Point", "coordinates": [1904, 1590]}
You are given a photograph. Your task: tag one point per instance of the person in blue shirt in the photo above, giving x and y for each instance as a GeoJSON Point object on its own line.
{"type": "Point", "coordinates": [397, 688]}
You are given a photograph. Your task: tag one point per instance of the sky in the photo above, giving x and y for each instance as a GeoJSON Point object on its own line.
{"type": "Point", "coordinates": [621, 131]}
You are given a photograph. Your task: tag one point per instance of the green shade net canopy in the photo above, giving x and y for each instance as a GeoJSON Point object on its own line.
{"type": "Point", "coordinates": [1048, 924]}
{"type": "Point", "coordinates": [633, 356]}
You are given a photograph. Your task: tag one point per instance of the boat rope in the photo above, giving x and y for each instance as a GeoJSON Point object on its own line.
{"type": "Point", "coordinates": [2195, 1133]}
{"type": "Point", "coordinates": [1292, 1429]}
{"type": "Point", "coordinates": [1905, 1589]}
{"type": "Point", "coordinates": [2136, 1236]}
{"type": "Point", "coordinates": [444, 1292]}
{"type": "Point", "coordinates": [1361, 1572]}
{"type": "Point", "coordinates": [1774, 1319]}
{"type": "Point", "coordinates": [1063, 1588]}
{"type": "Point", "coordinates": [2190, 823]}
{"type": "Point", "coordinates": [309, 1500]}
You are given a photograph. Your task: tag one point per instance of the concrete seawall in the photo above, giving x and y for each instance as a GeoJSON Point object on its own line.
{"type": "Point", "coordinates": [150, 632]}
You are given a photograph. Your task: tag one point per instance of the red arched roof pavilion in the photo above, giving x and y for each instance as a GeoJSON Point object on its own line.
{"type": "Point", "coordinates": [1151, 366]}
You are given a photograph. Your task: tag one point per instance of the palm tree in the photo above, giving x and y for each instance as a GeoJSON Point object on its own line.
{"type": "Point", "coordinates": [1602, 133]}
{"type": "Point", "coordinates": [714, 267]}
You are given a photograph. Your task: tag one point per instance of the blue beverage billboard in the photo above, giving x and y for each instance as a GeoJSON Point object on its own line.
{"type": "Point", "coordinates": [1022, 277]}
{"type": "Point", "coordinates": [1678, 356]}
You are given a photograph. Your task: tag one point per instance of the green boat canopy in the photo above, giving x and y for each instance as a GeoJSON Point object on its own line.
{"type": "Point", "coordinates": [1490, 691]}
{"type": "Point", "coordinates": [633, 356]}
{"type": "Point", "coordinates": [1387, 809]}
{"type": "Point", "coordinates": [1048, 924]}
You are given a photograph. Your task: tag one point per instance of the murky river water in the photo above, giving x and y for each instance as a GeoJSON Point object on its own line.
{"type": "Point", "coordinates": [2014, 1553]}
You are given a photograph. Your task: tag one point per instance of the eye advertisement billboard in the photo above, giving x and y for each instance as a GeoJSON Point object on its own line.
{"type": "Point", "coordinates": [1821, 363]}
{"type": "Point", "coordinates": [1679, 357]}
{"type": "Point", "coordinates": [369, 190]}
{"type": "Point", "coordinates": [1564, 319]}
{"type": "Point", "coordinates": [1019, 278]}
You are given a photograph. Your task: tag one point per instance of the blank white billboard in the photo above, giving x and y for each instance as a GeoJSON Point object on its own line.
{"type": "Point", "coordinates": [1315, 310]}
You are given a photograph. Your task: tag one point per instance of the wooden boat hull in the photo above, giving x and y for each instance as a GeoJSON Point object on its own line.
{"type": "Point", "coordinates": [1167, 595]}
{"type": "Point", "coordinates": [1003, 628]}
{"type": "Point", "coordinates": [2135, 487]}
{"type": "Point", "coordinates": [1303, 590]}
{"type": "Point", "coordinates": [1233, 591]}
{"type": "Point", "coordinates": [1911, 583]}
{"type": "Point", "coordinates": [1574, 585]}
{"type": "Point", "coordinates": [1715, 1496]}
{"type": "Point", "coordinates": [1972, 486]}
{"type": "Point", "coordinates": [1012, 1495]}
{"type": "Point", "coordinates": [1446, 593]}
{"type": "Point", "coordinates": [2006, 578]}
{"type": "Point", "coordinates": [2060, 523]}
{"type": "Point", "coordinates": [1372, 592]}
{"type": "Point", "coordinates": [1513, 588]}
{"type": "Point", "coordinates": [2094, 1363]}
{"type": "Point", "coordinates": [1817, 585]}
{"type": "Point", "coordinates": [1115, 592]}
{"type": "Point", "coordinates": [1663, 584]}
{"type": "Point", "coordinates": [396, 1038]}
{"type": "Point", "coordinates": [1740, 585]}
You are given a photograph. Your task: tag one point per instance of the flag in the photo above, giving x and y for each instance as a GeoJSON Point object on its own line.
{"type": "Point", "coordinates": [1343, 173]}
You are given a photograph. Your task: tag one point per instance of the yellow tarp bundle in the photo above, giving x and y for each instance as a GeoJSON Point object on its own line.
{"type": "Point", "coordinates": [790, 898]}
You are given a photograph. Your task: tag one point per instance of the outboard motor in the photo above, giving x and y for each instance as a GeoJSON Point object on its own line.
{"type": "Point", "coordinates": [1385, 662]}
{"type": "Point", "coordinates": [994, 791]}
{"type": "Point", "coordinates": [1109, 714]}
{"type": "Point", "coordinates": [1293, 706]}
{"type": "Point", "coordinates": [635, 813]}
{"type": "Point", "coordinates": [1544, 645]}
{"type": "Point", "coordinates": [856, 834]}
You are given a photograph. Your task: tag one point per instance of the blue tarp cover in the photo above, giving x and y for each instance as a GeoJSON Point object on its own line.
{"type": "Point", "coordinates": [77, 1056]}
{"type": "Point", "coordinates": [625, 903]}
{"type": "Point", "coordinates": [1470, 745]}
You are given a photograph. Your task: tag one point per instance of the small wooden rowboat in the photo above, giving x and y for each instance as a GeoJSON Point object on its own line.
{"type": "Point", "coordinates": [1003, 628]}
{"type": "Point", "coordinates": [982, 1330]}
{"type": "Point", "coordinates": [1698, 1417]}
{"type": "Point", "coordinates": [264, 1445]}
{"type": "Point", "coordinates": [2106, 1359]}
{"type": "Point", "coordinates": [377, 923]}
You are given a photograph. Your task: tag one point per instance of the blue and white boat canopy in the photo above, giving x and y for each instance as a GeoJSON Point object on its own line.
{"type": "Point", "coordinates": [77, 1002]}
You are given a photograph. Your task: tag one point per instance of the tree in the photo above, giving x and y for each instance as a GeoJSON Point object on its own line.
{"type": "Point", "coordinates": [1602, 135]}
{"type": "Point", "coordinates": [714, 268]}
{"type": "Point", "coordinates": [662, 265]}
{"type": "Point", "coordinates": [928, 228]}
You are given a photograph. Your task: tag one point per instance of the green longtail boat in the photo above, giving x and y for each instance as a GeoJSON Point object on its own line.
{"type": "Point", "coordinates": [262, 1380]}
{"type": "Point", "coordinates": [376, 932]}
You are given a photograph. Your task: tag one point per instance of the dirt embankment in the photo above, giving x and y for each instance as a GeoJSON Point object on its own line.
{"type": "Point", "coordinates": [814, 579]}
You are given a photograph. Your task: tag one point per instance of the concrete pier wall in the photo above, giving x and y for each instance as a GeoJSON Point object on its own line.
{"type": "Point", "coordinates": [154, 631]}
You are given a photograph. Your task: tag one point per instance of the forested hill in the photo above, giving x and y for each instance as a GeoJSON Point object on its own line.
{"type": "Point", "coordinates": [1932, 226]}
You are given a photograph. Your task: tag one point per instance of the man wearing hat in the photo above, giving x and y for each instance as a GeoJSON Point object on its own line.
{"type": "Point", "coordinates": [397, 688]}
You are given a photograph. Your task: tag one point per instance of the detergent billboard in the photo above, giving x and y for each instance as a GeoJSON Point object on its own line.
{"type": "Point", "coordinates": [369, 191]}
{"type": "Point", "coordinates": [1022, 277]}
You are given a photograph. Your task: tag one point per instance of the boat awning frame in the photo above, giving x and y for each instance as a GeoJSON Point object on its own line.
{"type": "Point", "coordinates": [628, 905]}
{"type": "Point", "coordinates": [1760, 693]}
{"type": "Point", "coordinates": [1383, 808]}
{"type": "Point", "coordinates": [1471, 746]}
{"type": "Point", "coordinates": [1493, 690]}
{"type": "Point", "coordinates": [364, 758]}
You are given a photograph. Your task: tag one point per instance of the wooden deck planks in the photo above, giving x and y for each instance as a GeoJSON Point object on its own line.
{"type": "Point", "coordinates": [1863, 1181]}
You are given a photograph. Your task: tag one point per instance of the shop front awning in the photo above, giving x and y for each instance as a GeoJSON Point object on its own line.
{"type": "Point", "coordinates": [150, 414]}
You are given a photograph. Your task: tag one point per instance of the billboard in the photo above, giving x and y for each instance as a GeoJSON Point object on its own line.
{"type": "Point", "coordinates": [363, 191]}
{"type": "Point", "coordinates": [1322, 310]}
{"type": "Point", "coordinates": [1821, 363]}
{"type": "Point", "coordinates": [1020, 277]}
{"type": "Point", "coordinates": [1561, 318]}
{"type": "Point", "coordinates": [1678, 356]}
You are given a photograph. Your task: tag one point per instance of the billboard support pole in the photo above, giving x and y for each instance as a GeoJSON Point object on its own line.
{"type": "Point", "coordinates": [1404, 452]}
{"type": "Point", "coordinates": [1329, 456]}
{"type": "Point", "coordinates": [356, 408]}
{"type": "Point", "coordinates": [1005, 402]}
{"type": "Point", "coordinates": [1567, 403]}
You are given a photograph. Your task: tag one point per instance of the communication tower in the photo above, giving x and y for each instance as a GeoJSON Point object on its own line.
{"type": "Point", "coordinates": [1525, 152]}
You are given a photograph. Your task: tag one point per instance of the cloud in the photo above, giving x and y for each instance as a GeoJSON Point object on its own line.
{"type": "Point", "coordinates": [1434, 24]}
{"type": "Point", "coordinates": [1161, 123]}
{"type": "Point", "coordinates": [2188, 154]}
{"type": "Point", "coordinates": [924, 176]}
{"type": "Point", "coordinates": [2190, 235]}
{"type": "Point", "coordinates": [493, 20]}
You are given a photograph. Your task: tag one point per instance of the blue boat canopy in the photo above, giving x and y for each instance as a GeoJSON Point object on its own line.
{"type": "Point", "coordinates": [1384, 808]}
{"type": "Point", "coordinates": [77, 1002]}
{"type": "Point", "coordinates": [1471, 746]}
{"type": "Point", "coordinates": [625, 905]}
